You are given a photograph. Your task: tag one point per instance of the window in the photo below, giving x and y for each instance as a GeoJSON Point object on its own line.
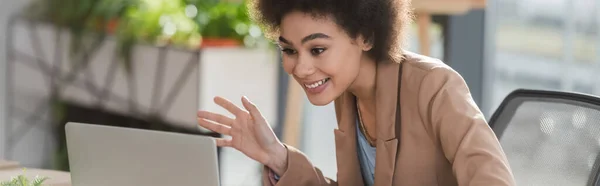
{"type": "Point", "coordinates": [542, 44]}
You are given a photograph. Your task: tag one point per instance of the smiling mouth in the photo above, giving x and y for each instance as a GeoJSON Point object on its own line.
{"type": "Point", "coordinates": [317, 84]}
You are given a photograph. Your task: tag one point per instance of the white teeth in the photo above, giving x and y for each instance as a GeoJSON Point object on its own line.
{"type": "Point", "coordinates": [316, 84]}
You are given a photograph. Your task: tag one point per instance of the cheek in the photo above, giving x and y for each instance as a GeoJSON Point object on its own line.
{"type": "Point", "coordinates": [345, 75]}
{"type": "Point", "coordinates": [342, 68]}
{"type": "Point", "coordinates": [288, 65]}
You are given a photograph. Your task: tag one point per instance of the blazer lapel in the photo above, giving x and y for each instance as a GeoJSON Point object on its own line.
{"type": "Point", "coordinates": [387, 141]}
{"type": "Point", "coordinates": [345, 142]}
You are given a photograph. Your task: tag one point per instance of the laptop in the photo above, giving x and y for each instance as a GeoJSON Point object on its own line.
{"type": "Point", "coordinates": [115, 156]}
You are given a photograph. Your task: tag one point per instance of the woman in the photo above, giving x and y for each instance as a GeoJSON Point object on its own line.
{"type": "Point", "coordinates": [403, 118]}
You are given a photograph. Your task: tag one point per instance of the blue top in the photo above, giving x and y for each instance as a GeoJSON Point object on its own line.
{"type": "Point", "coordinates": [366, 157]}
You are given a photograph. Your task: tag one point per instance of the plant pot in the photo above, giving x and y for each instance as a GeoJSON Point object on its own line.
{"type": "Point", "coordinates": [108, 26]}
{"type": "Point", "coordinates": [219, 43]}
{"type": "Point", "coordinates": [112, 25]}
{"type": "Point", "coordinates": [163, 86]}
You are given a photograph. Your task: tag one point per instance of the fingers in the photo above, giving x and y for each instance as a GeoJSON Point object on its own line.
{"type": "Point", "coordinates": [254, 112]}
{"type": "Point", "coordinates": [223, 142]}
{"type": "Point", "coordinates": [235, 110]}
{"type": "Point", "coordinates": [216, 127]}
{"type": "Point", "coordinates": [216, 118]}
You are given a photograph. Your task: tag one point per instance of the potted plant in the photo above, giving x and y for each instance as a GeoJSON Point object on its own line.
{"type": "Point", "coordinates": [227, 24]}
{"type": "Point", "coordinates": [22, 180]}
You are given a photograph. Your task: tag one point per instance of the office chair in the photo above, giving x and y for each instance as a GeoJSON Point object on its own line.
{"type": "Point", "coordinates": [549, 137]}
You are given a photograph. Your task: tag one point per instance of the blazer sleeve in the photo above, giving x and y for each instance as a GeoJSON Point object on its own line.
{"type": "Point", "coordinates": [467, 141]}
{"type": "Point", "coordinates": [300, 171]}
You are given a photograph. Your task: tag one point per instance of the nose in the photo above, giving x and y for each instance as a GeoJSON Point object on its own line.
{"type": "Point", "coordinates": [304, 67]}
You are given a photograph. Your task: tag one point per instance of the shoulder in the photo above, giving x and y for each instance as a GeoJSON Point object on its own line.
{"type": "Point", "coordinates": [420, 65]}
{"type": "Point", "coordinates": [436, 86]}
{"type": "Point", "coordinates": [426, 73]}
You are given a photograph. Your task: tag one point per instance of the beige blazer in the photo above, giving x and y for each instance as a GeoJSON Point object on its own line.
{"type": "Point", "coordinates": [443, 139]}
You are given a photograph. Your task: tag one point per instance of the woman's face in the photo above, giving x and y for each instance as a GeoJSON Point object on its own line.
{"type": "Point", "coordinates": [320, 55]}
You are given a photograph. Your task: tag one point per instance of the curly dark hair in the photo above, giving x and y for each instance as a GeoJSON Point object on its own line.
{"type": "Point", "coordinates": [383, 21]}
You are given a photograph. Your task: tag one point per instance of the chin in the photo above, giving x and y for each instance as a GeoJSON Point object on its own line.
{"type": "Point", "coordinates": [319, 100]}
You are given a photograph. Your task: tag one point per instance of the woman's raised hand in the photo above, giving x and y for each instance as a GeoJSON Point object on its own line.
{"type": "Point", "coordinates": [250, 133]}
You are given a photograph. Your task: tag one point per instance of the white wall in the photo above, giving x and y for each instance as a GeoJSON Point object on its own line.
{"type": "Point", "coordinates": [7, 8]}
{"type": "Point", "coordinates": [233, 73]}
{"type": "Point", "coordinates": [318, 141]}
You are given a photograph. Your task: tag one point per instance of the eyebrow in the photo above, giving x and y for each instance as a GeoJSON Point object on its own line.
{"type": "Point", "coordinates": [307, 38]}
{"type": "Point", "coordinates": [283, 40]}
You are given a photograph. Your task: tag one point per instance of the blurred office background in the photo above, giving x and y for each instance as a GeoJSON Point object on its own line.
{"type": "Point", "coordinates": [510, 44]}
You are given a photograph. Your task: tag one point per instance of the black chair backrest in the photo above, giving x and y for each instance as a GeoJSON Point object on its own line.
{"type": "Point", "coordinates": [549, 137]}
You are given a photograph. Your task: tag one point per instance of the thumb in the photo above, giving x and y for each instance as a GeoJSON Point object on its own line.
{"type": "Point", "coordinates": [251, 107]}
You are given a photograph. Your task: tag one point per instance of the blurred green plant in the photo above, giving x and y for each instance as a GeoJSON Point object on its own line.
{"type": "Point", "coordinates": [180, 23]}
{"type": "Point", "coordinates": [157, 22]}
{"type": "Point", "coordinates": [219, 20]}
{"type": "Point", "coordinates": [86, 20]}
{"type": "Point", "coordinates": [21, 180]}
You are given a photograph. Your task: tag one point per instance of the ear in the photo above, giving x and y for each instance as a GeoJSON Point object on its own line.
{"type": "Point", "coordinates": [365, 43]}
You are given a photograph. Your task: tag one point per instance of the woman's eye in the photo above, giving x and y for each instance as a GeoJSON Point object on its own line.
{"type": "Point", "coordinates": [317, 51]}
{"type": "Point", "coordinates": [288, 51]}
